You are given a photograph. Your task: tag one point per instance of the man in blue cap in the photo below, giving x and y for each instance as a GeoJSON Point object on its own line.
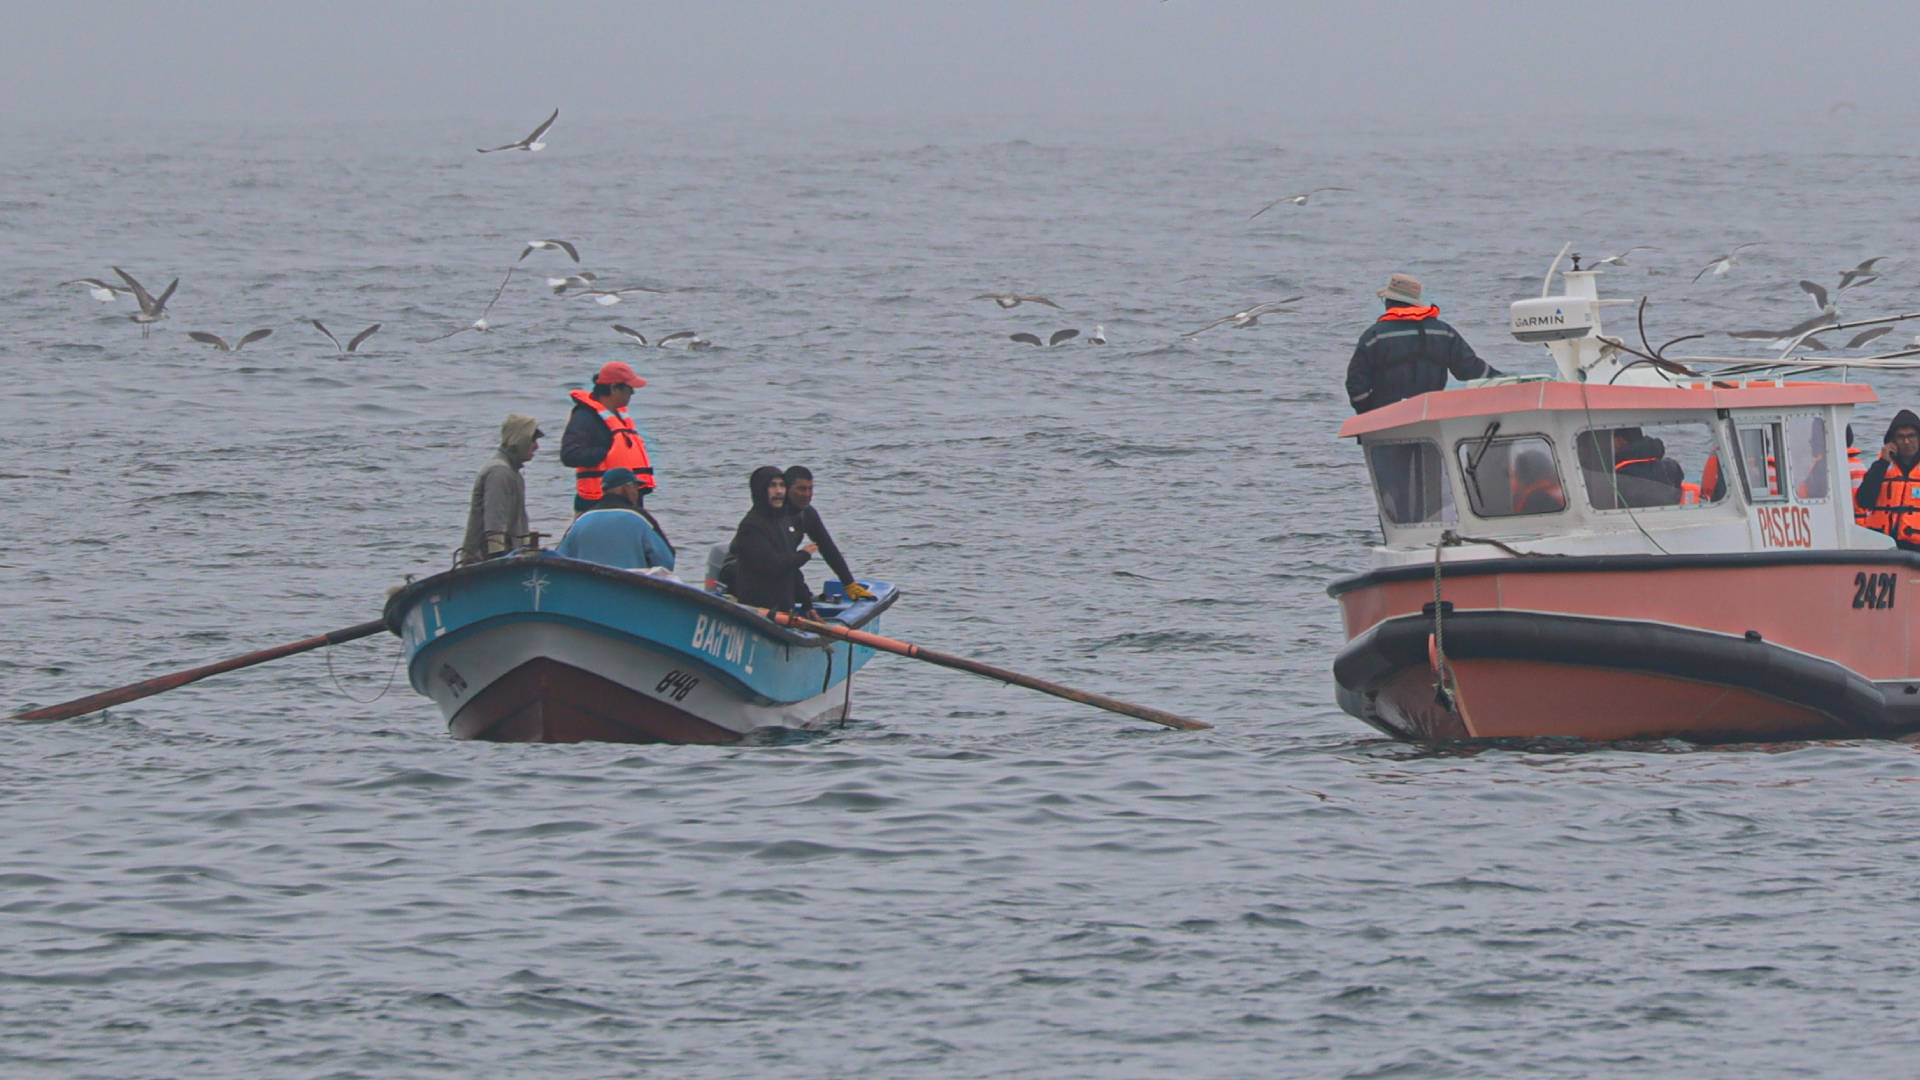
{"type": "Point", "coordinates": [616, 532]}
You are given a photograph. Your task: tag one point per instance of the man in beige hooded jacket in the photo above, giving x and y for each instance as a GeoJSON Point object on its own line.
{"type": "Point", "coordinates": [497, 514]}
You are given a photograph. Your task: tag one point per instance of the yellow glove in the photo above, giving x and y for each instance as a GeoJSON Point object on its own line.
{"type": "Point", "coordinates": [857, 591]}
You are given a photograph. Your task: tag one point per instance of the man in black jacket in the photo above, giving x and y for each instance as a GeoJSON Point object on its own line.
{"type": "Point", "coordinates": [766, 565]}
{"type": "Point", "coordinates": [1408, 352]}
{"type": "Point", "coordinates": [799, 480]}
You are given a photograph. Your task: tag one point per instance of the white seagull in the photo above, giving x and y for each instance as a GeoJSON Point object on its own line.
{"type": "Point", "coordinates": [531, 142]}
{"type": "Point", "coordinates": [1014, 300]}
{"type": "Point", "coordinates": [1723, 263]}
{"type": "Point", "coordinates": [689, 338]}
{"type": "Point", "coordinates": [1250, 317]}
{"type": "Point", "coordinates": [581, 280]}
{"type": "Point", "coordinates": [1297, 199]}
{"type": "Point", "coordinates": [101, 291]}
{"type": "Point", "coordinates": [351, 346]}
{"type": "Point", "coordinates": [609, 297]}
{"type": "Point", "coordinates": [1099, 335]}
{"type": "Point", "coordinates": [480, 324]}
{"type": "Point", "coordinates": [549, 245]}
{"type": "Point", "coordinates": [151, 310]}
{"type": "Point", "coordinates": [220, 343]}
{"type": "Point", "coordinates": [1057, 337]}
{"type": "Point", "coordinates": [1620, 259]}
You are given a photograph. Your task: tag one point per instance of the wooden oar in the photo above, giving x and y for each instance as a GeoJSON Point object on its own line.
{"type": "Point", "coordinates": [961, 663]}
{"type": "Point", "coordinates": [67, 710]}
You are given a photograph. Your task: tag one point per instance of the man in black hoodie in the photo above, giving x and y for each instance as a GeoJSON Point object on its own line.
{"type": "Point", "coordinates": [800, 508]}
{"type": "Point", "coordinates": [1888, 499]}
{"type": "Point", "coordinates": [766, 565]}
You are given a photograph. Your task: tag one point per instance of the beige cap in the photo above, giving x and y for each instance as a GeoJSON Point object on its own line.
{"type": "Point", "coordinates": [1402, 287]}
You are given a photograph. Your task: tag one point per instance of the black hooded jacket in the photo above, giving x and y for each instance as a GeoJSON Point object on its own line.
{"type": "Point", "coordinates": [763, 548]}
{"type": "Point", "coordinates": [1867, 497]}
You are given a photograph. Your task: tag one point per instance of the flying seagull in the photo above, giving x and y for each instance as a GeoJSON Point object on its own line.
{"type": "Point", "coordinates": [630, 333]}
{"type": "Point", "coordinates": [531, 142]}
{"type": "Point", "coordinates": [608, 297]}
{"type": "Point", "coordinates": [480, 324]}
{"type": "Point", "coordinates": [1250, 317]}
{"type": "Point", "coordinates": [1620, 259]}
{"type": "Point", "coordinates": [1058, 337]}
{"type": "Point", "coordinates": [221, 343]}
{"type": "Point", "coordinates": [101, 291]}
{"type": "Point", "coordinates": [1859, 275]}
{"type": "Point", "coordinates": [1014, 300]}
{"type": "Point", "coordinates": [1865, 336]}
{"type": "Point", "coordinates": [549, 245]}
{"type": "Point", "coordinates": [1297, 199]}
{"type": "Point", "coordinates": [1819, 294]}
{"type": "Point", "coordinates": [151, 310]}
{"type": "Point", "coordinates": [689, 338]}
{"type": "Point", "coordinates": [351, 346]}
{"type": "Point", "coordinates": [1723, 263]}
{"type": "Point", "coordinates": [581, 280]}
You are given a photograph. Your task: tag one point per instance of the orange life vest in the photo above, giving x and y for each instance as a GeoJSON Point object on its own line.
{"type": "Point", "coordinates": [1896, 510]}
{"type": "Point", "coordinates": [1410, 314]}
{"type": "Point", "coordinates": [629, 451]}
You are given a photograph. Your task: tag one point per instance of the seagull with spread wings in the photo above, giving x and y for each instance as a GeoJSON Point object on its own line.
{"type": "Point", "coordinates": [151, 310]}
{"type": "Point", "coordinates": [531, 142]}
{"type": "Point", "coordinates": [1859, 275]}
{"type": "Point", "coordinates": [1723, 263]}
{"type": "Point", "coordinates": [1014, 300]}
{"type": "Point", "coordinates": [1055, 338]}
{"type": "Point", "coordinates": [479, 325]}
{"type": "Point", "coordinates": [1297, 199]}
{"type": "Point", "coordinates": [549, 245]}
{"type": "Point", "coordinates": [220, 343]}
{"type": "Point", "coordinates": [609, 297]}
{"type": "Point", "coordinates": [1240, 320]}
{"type": "Point", "coordinates": [352, 345]}
{"type": "Point", "coordinates": [100, 290]}
{"type": "Point", "coordinates": [1620, 259]}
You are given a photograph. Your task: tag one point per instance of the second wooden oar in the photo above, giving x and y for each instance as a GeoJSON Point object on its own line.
{"type": "Point", "coordinates": [961, 663]}
{"type": "Point", "coordinates": [67, 710]}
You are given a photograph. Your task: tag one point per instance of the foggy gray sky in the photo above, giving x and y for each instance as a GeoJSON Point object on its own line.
{"type": "Point", "coordinates": [227, 60]}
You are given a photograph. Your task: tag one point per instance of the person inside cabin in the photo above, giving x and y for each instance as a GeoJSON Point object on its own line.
{"type": "Point", "coordinates": [497, 510]}
{"type": "Point", "coordinates": [1888, 499]}
{"type": "Point", "coordinates": [766, 566]}
{"type": "Point", "coordinates": [1647, 476]}
{"type": "Point", "coordinates": [1408, 351]}
{"type": "Point", "coordinates": [616, 531]}
{"type": "Point", "coordinates": [1536, 488]}
{"type": "Point", "coordinates": [1814, 484]}
{"type": "Point", "coordinates": [800, 509]}
{"type": "Point", "coordinates": [601, 435]}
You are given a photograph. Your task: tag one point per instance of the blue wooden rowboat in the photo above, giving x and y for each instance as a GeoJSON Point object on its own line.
{"type": "Point", "coordinates": [538, 648]}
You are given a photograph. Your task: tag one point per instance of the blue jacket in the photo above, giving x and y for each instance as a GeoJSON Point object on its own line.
{"type": "Point", "coordinates": [619, 538]}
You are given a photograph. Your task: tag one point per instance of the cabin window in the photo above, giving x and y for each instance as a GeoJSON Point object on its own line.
{"type": "Point", "coordinates": [1651, 465]}
{"type": "Point", "coordinates": [1760, 459]}
{"type": "Point", "coordinates": [1511, 477]}
{"type": "Point", "coordinates": [1808, 451]}
{"type": "Point", "coordinates": [1411, 480]}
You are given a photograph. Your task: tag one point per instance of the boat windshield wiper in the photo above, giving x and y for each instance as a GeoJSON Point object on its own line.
{"type": "Point", "coordinates": [1473, 463]}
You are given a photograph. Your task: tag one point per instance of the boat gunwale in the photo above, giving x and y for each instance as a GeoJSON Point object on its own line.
{"type": "Point", "coordinates": [1619, 563]}
{"type": "Point", "coordinates": [407, 595]}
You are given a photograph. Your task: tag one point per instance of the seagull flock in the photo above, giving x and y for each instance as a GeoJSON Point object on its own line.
{"type": "Point", "coordinates": [586, 285]}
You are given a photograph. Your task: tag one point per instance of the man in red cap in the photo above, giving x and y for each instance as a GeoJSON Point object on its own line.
{"type": "Point", "coordinates": [601, 436]}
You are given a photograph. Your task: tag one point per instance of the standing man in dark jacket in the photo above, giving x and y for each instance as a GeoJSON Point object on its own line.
{"type": "Point", "coordinates": [1408, 352]}
{"type": "Point", "coordinates": [601, 436]}
{"type": "Point", "coordinates": [1889, 496]}
{"type": "Point", "coordinates": [800, 509]}
{"type": "Point", "coordinates": [766, 564]}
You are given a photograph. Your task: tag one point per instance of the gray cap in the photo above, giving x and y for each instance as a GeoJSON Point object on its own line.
{"type": "Point", "coordinates": [1402, 287]}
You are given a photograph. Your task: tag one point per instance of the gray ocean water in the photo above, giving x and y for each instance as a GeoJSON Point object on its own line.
{"type": "Point", "coordinates": [280, 872]}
